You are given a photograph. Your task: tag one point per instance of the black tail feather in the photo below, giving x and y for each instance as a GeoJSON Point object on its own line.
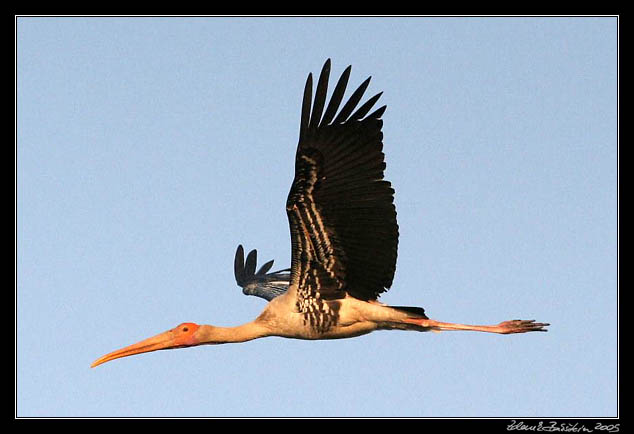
{"type": "Point", "coordinates": [418, 312]}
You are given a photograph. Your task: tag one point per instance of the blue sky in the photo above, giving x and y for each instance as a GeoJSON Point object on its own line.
{"type": "Point", "coordinates": [149, 148]}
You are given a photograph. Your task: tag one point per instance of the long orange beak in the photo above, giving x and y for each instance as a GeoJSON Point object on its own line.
{"type": "Point", "coordinates": [180, 336]}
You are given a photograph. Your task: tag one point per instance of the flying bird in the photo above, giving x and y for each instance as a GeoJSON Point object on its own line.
{"type": "Point", "coordinates": [344, 240]}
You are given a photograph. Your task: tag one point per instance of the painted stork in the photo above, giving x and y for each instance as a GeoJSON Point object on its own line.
{"type": "Point", "coordinates": [344, 239]}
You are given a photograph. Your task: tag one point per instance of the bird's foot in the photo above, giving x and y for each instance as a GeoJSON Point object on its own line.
{"type": "Point", "coordinates": [521, 326]}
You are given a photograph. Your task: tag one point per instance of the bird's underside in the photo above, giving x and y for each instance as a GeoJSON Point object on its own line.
{"type": "Point", "coordinates": [354, 317]}
{"type": "Point", "coordinates": [344, 240]}
{"type": "Point", "coordinates": [381, 316]}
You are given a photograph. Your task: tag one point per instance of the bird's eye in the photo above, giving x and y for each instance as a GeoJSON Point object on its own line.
{"type": "Point", "coordinates": [185, 329]}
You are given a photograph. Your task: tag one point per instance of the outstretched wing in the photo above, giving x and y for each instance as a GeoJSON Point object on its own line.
{"type": "Point", "coordinates": [261, 284]}
{"type": "Point", "coordinates": [341, 212]}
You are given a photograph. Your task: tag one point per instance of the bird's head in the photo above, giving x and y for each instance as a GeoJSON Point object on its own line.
{"type": "Point", "coordinates": [183, 335]}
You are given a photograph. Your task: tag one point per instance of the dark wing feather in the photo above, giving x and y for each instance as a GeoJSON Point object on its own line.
{"type": "Point", "coordinates": [341, 212]}
{"type": "Point", "coordinates": [261, 284]}
{"type": "Point", "coordinates": [307, 101]}
{"type": "Point", "coordinates": [352, 102]}
{"type": "Point", "coordinates": [251, 262]}
{"type": "Point", "coordinates": [320, 96]}
{"type": "Point", "coordinates": [365, 108]}
{"type": "Point", "coordinates": [238, 266]}
{"type": "Point", "coordinates": [337, 96]}
{"type": "Point", "coordinates": [266, 267]}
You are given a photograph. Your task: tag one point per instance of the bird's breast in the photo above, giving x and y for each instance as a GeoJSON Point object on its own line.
{"type": "Point", "coordinates": [315, 319]}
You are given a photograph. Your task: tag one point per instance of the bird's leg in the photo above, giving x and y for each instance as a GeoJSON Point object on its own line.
{"type": "Point", "coordinates": [506, 327]}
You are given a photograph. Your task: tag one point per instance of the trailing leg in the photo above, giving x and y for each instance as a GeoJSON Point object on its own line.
{"type": "Point", "coordinates": [506, 327]}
